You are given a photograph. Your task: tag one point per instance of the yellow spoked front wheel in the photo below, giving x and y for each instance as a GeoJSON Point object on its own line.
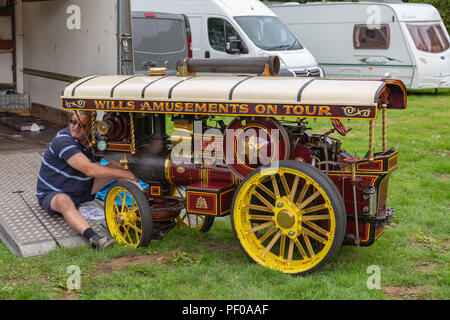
{"type": "Point", "coordinates": [289, 218]}
{"type": "Point", "coordinates": [128, 215]}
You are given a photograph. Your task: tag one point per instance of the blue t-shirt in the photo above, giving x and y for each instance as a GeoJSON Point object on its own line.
{"type": "Point", "coordinates": [56, 175]}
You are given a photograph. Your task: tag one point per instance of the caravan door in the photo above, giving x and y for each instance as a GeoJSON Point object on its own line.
{"type": "Point", "coordinates": [432, 52]}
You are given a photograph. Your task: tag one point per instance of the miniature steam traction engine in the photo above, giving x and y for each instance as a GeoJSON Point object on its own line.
{"type": "Point", "coordinates": [240, 145]}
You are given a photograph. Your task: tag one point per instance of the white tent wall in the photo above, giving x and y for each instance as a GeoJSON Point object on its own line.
{"type": "Point", "coordinates": [74, 38]}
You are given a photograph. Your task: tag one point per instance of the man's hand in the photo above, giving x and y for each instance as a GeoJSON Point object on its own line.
{"type": "Point", "coordinates": [129, 175]}
{"type": "Point", "coordinates": [114, 164]}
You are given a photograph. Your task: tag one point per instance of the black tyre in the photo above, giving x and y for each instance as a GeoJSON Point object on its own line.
{"type": "Point", "coordinates": [128, 215]}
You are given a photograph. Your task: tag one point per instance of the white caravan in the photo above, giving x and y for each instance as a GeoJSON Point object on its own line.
{"type": "Point", "coordinates": [245, 28]}
{"type": "Point", "coordinates": [378, 39]}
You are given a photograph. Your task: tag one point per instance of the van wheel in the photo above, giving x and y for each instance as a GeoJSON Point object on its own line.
{"type": "Point", "coordinates": [291, 218]}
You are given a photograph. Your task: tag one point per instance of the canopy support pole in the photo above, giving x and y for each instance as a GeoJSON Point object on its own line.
{"type": "Point", "coordinates": [371, 135]}
{"type": "Point", "coordinates": [384, 127]}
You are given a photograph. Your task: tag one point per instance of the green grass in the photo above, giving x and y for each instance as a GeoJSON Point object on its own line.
{"type": "Point", "coordinates": [412, 254]}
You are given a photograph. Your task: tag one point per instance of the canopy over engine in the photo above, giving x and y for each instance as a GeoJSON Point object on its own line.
{"type": "Point", "coordinates": [136, 108]}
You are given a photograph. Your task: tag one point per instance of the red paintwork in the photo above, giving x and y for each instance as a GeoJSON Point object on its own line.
{"type": "Point", "coordinates": [192, 173]}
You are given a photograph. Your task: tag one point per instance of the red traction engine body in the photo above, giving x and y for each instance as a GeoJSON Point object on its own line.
{"type": "Point", "coordinates": [242, 145]}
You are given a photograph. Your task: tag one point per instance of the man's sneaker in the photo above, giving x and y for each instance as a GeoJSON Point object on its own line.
{"type": "Point", "coordinates": [100, 242]}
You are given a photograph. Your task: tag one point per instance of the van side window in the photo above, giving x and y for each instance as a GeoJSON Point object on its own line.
{"type": "Point", "coordinates": [428, 38]}
{"type": "Point", "coordinates": [219, 30]}
{"type": "Point", "coordinates": [368, 37]}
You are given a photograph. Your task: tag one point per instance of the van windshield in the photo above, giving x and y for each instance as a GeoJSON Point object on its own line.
{"type": "Point", "coordinates": [429, 37]}
{"type": "Point", "coordinates": [268, 33]}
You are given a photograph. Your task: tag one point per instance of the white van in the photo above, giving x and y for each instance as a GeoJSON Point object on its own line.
{"type": "Point", "coordinates": [245, 28]}
{"type": "Point", "coordinates": [378, 39]}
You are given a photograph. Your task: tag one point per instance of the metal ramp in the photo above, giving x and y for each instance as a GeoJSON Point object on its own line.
{"type": "Point", "coordinates": [25, 228]}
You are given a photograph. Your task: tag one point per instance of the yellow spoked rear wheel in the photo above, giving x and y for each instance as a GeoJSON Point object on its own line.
{"type": "Point", "coordinates": [201, 223]}
{"type": "Point", "coordinates": [290, 218]}
{"type": "Point", "coordinates": [128, 215]}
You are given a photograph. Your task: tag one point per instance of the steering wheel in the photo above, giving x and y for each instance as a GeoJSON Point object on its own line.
{"type": "Point", "coordinates": [339, 126]}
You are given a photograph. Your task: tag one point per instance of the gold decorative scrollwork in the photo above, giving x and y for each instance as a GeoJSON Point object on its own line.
{"type": "Point", "coordinates": [352, 112]}
{"type": "Point", "coordinates": [78, 104]}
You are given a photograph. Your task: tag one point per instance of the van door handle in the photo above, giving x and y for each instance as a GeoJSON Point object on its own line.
{"type": "Point", "coordinates": [206, 54]}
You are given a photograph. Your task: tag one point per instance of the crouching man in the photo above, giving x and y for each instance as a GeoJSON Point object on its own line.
{"type": "Point", "coordinates": [70, 175]}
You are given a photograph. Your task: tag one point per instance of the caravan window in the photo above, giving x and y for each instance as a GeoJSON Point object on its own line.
{"type": "Point", "coordinates": [368, 37]}
{"type": "Point", "coordinates": [219, 30]}
{"type": "Point", "coordinates": [429, 38]}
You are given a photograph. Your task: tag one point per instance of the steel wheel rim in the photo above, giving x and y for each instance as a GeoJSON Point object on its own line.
{"type": "Point", "coordinates": [191, 220]}
{"type": "Point", "coordinates": [188, 219]}
{"type": "Point", "coordinates": [123, 217]}
{"type": "Point", "coordinates": [264, 228]}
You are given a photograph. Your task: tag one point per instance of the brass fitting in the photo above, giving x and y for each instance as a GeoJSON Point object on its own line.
{"type": "Point", "coordinates": [103, 127]}
{"type": "Point", "coordinates": [124, 162]}
{"type": "Point", "coordinates": [157, 71]}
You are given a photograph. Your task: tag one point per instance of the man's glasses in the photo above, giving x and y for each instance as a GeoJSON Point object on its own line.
{"type": "Point", "coordinates": [76, 123]}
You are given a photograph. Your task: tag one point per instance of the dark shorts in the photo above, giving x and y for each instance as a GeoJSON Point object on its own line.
{"type": "Point", "coordinates": [46, 198]}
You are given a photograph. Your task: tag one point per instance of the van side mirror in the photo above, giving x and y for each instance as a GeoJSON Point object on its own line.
{"type": "Point", "coordinates": [233, 45]}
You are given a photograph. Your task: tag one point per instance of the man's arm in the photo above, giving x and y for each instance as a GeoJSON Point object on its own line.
{"type": "Point", "coordinates": [113, 163]}
{"type": "Point", "coordinates": [80, 162]}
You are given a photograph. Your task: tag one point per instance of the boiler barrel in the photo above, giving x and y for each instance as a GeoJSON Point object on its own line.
{"type": "Point", "coordinates": [238, 65]}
